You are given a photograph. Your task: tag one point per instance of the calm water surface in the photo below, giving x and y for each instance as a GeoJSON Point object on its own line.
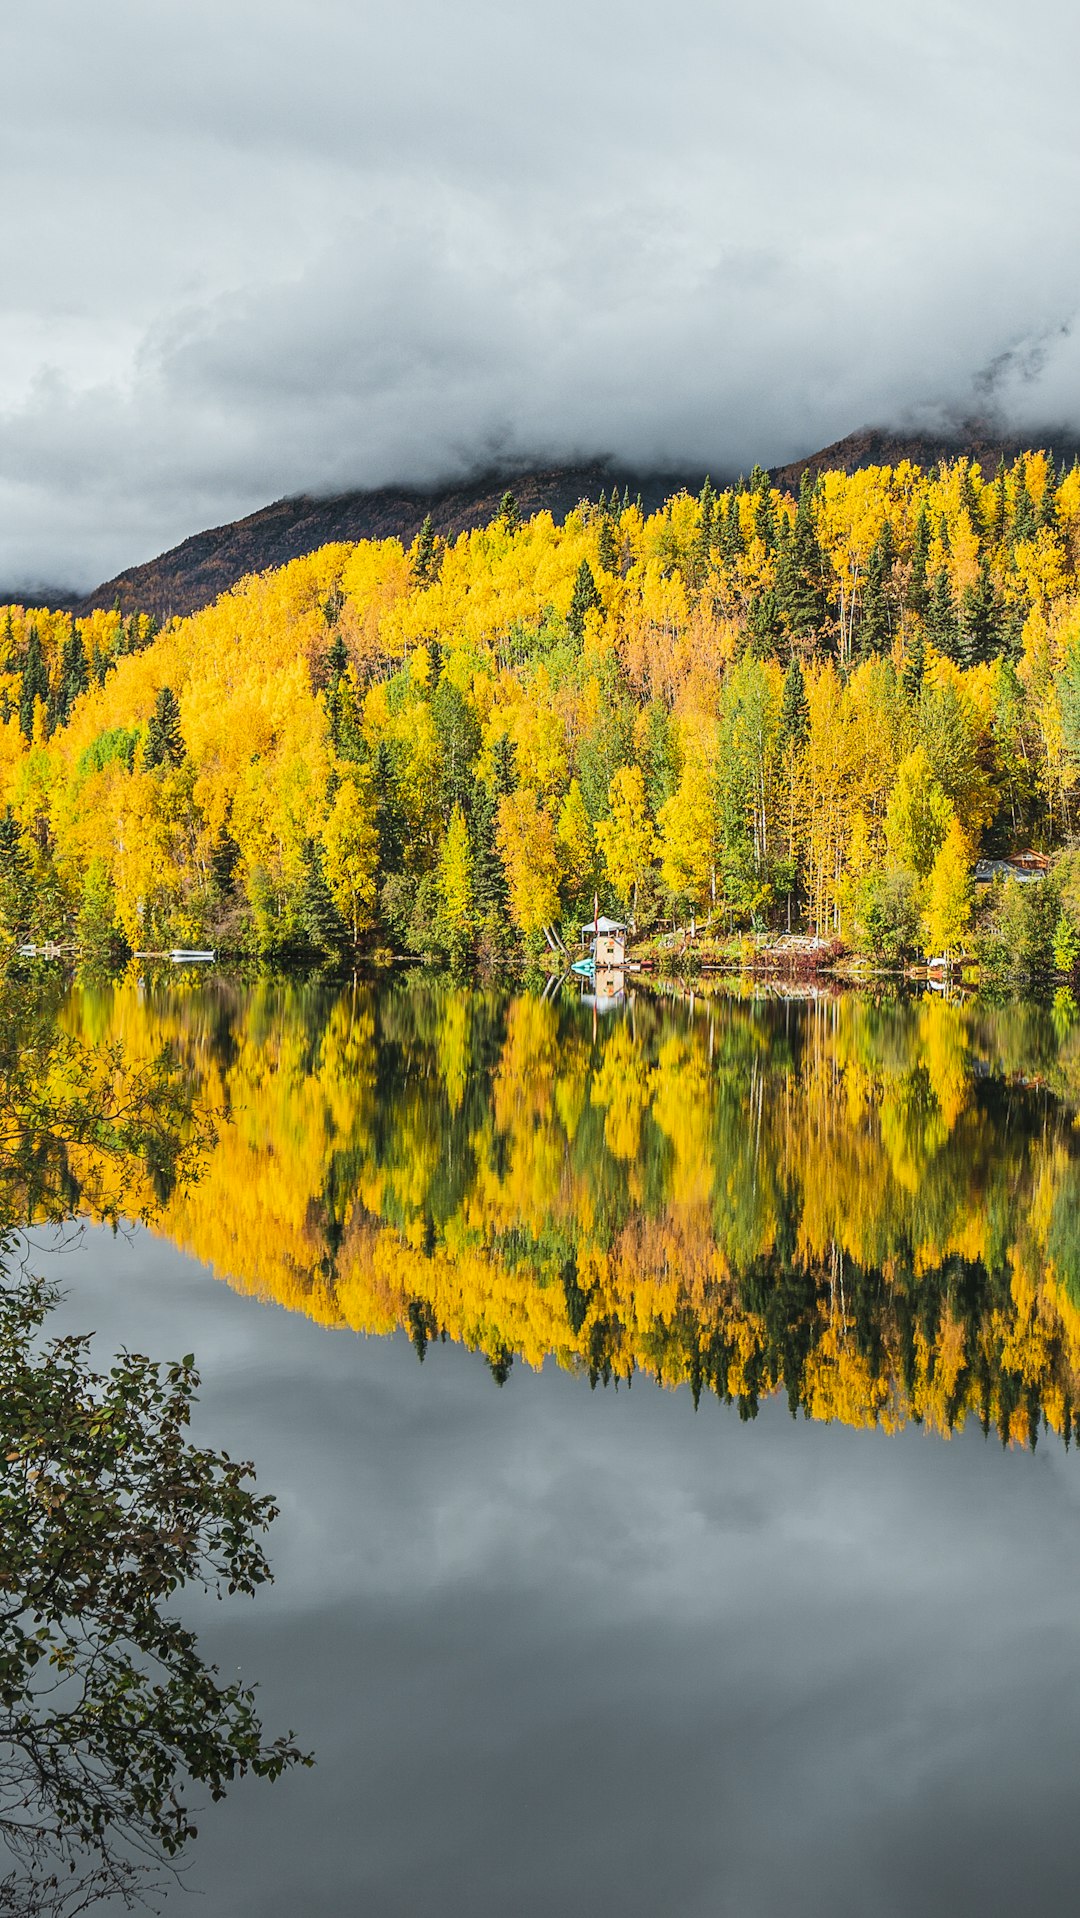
{"type": "Point", "coordinates": [561, 1642]}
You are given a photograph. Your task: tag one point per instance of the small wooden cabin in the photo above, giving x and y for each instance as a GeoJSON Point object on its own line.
{"type": "Point", "coordinates": [1019, 865]}
{"type": "Point", "coordinates": [607, 941]}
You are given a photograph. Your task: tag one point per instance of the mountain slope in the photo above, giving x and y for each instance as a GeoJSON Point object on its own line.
{"type": "Point", "coordinates": [880, 446]}
{"type": "Point", "coordinates": [194, 573]}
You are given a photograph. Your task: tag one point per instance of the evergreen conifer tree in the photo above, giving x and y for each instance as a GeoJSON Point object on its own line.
{"type": "Point", "coordinates": [969, 498]}
{"type": "Point", "coordinates": [15, 879]}
{"type": "Point", "coordinates": [941, 615]}
{"type": "Point", "coordinates": [74, 674]}
{"type": "Point", "coordinates": [509, 517]}
{"type": "Point", "coordinates": [1000, 515]}
{"type": "Point", "coordinates": [876, 629]}
{"type": "Point", "coordinates": [458, 732]}
{"type": "Point", "coordinates": [333, 606]}
{"type": "Point", "coordinates": [914, 666]}
{"type": "Point", "coordinates": [320, 919]}
{"type": "Point", "coordinates": [763, 623]}
{"type": "Point", "coordinates": [425, 563]}
{"type": "Point", "coordinates": [703, 538]}
{"type": "Point", "coordinates": [34, 683]}
{"type": "Point", "coordinates": [586, 598]}
{"type": "Point", "coordinates": [164, 739]}
{"type": "Point", "coordinates": [1048, 513]}
{"type": "Point", "coordinates": [224, 859]}
{"type": "Point", "coordinates": [918, 594]}
{"type": "Point", "coordinates": [607, 548]}
{"type": "Point", "coordinates": [344, 714]}
{"type": "Point", "coordinates": [337, 659]}
{"type": "Point", "coordinates": [504, 766]}
{"type": "Point", "coordinates": [800, 571]}
{"type": "Point", "coordinates": [794, 724]}
{"type": "Point", "coordinates": [728, 529]}
{"type": "Point", "coordinates": [488, 877]}
{"type": "Point", "coordinates": [1023, 520]}
{"type": "Point", "coordinates": [764, 510]}
{"type": "Point", "coordinates": [660, 756]}
{"type": "Point", "coordinates": [979, 619]}
{"type": "Point", "coordinates": [388, 819]}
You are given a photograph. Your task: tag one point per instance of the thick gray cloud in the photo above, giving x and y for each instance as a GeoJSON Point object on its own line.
{"type": "Point", "coordinates": [253, 249]}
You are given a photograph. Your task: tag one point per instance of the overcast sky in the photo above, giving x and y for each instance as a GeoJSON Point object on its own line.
{"type": "Point", "coordinates": [253, 249]}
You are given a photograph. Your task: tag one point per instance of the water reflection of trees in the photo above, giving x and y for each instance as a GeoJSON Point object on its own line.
{"type": "Point", "coordinates": [109, 1716]}
{"type": "Point", "coordinates": [867, 1206]}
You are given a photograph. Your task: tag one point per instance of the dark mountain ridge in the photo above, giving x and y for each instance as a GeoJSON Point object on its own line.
{"type": "Point", "coordinates": [194, 573]}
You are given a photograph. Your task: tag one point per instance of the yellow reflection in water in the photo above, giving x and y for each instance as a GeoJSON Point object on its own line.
{"type": "Point", "coordinates": [873, 1207]}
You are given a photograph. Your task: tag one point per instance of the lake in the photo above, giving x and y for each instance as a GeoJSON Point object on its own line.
{"type": "Point", "coordinates": [671, 1415]}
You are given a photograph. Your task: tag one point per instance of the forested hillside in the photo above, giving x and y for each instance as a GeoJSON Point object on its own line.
{"type": "Point", "coordinates": [743, 705]}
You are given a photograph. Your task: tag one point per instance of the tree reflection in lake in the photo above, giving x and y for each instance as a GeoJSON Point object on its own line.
{"type": "Point", "coordinates": [109, 1714]}
{"type": "Point", "coordinates": [870, 1206]}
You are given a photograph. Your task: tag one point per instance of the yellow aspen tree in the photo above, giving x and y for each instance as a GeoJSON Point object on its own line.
{"type": "Point", "coordinates": [688, 835]}
{"type": "Point", "coordinates": [919, 815]}
{"type": "Point", "coordinates": [525, 836]}
{"type": "Point", "coordinates": [947, 913]}
{"type": "Point", "coordinates": [455, 877]}
{"type": "Point", "coordinates": [626, 838]}
{"type": "Point", "coordinates": [577, 847]}
{"type": "Point", "coordinates": [351, 855]}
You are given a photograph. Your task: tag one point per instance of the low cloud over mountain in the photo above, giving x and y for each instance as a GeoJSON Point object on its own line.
{"type": "Point", "coordinates": [258, 250]}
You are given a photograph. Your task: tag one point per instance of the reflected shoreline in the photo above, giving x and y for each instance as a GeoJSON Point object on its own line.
{"type": "Point", "coordinates": [869, 1204]}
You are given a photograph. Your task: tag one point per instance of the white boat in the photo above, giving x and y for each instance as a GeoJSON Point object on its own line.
{"type": "Point", "coordinates": [185, 955]}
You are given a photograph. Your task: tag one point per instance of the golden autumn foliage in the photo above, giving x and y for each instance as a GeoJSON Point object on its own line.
{"type": "Point", "coordinates": [870, 1207]}
{"type": "Point", "coordinates": [739, 703]}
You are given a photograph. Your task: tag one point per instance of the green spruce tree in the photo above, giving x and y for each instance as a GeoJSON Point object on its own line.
{"type": "Point", "coordinates": [164, 739]}
{"type": "Point", "coordinates": [701, 551]}
{"type": "Point", "coordinates": [914, 666]}
{"type": "Point", "coordinates": [794, 727]}
{"type": "Point", "coordinates": [425, 561]}
{"type": "Point", "coordinates": [980, 616]}
{"type": "Point", "coordinates": [875, 632]}
{"type": "Point", "coordinates": [800, 573]}
{"type": "Point", "coordinates": [74, 674]}
{"type": "Point", "coordinates": [730, 529]}
{"type": "Point", "coordinates": [34, 683]}
{"type": "Point", "coordinates": [504, 765]}
{"type": "Point", "coordinates": [389, 818]}
{"type": "Point", "coordinates": [1000, 518]}
{"type": "Point", "coordinates": [337, 660]}
{"type": "Point", "coordinates": [764, 508]}
{"type": "Point", "coordinates": [607, 546]}
{"type": "Point", "coordinates": [458, 731]}
{"type": "Point", "coordinates": [918, 591]}
{"type": "Point", "coordinates": [1048, 513]}
{"type": "Point", "coordinates": [16, 888]}
{"type": "Point", "coordinates": [941, 615]}
{"type": "Point", "coordinates": [1024, 524]}
{"type": "Point", "coordinates": [585, 599]}
{"type": "Point", "coordinates": [320, 920]}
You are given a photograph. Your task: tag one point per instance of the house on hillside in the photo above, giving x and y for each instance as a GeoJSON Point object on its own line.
{"type": "Point", "coordinates": [1024, 866]}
